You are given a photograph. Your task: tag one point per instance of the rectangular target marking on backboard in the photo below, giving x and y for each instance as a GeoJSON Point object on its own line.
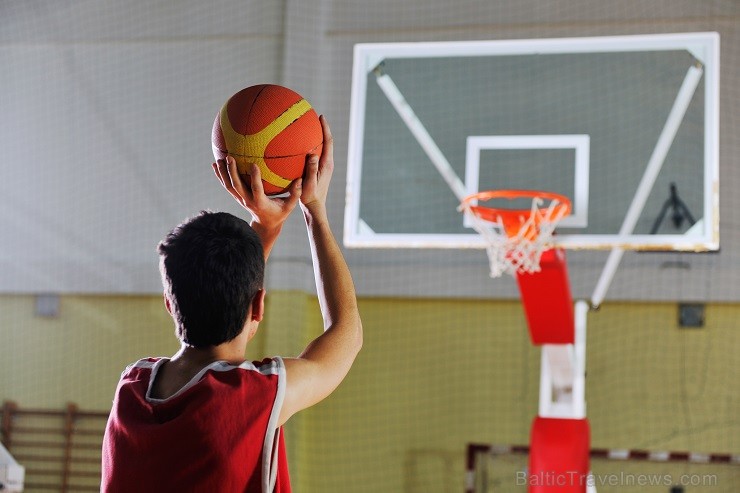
{"type": "Point", "coordinates": [578, 168]}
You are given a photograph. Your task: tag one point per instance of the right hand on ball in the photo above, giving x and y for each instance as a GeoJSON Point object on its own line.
{"type": "Point", "coordinates": [317, 174]}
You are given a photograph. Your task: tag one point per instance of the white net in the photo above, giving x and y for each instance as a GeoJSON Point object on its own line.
{"type": "Point", "coordinates": [521, 252]}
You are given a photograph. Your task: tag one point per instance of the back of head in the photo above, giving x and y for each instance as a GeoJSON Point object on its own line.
{"type": "Point", "coordinates": [212, 266]}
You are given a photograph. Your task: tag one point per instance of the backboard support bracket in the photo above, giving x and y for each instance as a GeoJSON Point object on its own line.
{"type": "Point", "coordinates": [657, 158]}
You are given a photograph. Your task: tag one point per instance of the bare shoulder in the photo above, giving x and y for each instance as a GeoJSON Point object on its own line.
{"type": "Point", "coordinates": [171, 377]}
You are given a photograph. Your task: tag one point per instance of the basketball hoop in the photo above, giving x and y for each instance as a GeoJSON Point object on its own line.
{"type": "Point", "coordinates": [516, 238]}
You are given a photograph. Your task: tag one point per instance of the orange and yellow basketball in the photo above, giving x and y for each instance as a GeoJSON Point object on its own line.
{"type": "Point", "coordinates": [272, 127]}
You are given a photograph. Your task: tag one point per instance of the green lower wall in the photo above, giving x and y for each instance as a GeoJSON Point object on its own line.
{"type": "Point", "coordinates": [78, 355]}
{"type": "Point", "coordinates": [433, 375]}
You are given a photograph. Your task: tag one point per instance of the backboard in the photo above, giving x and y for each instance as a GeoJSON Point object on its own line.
{"type": "Point", "coordinates": [625, 126]}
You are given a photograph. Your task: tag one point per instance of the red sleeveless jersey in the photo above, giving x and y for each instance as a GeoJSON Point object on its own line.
{"type": "Point", "coordinates": [218, 433]}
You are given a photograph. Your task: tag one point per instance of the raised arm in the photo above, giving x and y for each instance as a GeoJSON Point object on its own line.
{"type": "Point", "coordinates": [327, 359]}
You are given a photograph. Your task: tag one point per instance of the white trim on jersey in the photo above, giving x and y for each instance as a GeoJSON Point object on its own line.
{"type": "Point", "coordinates": [271, 444]}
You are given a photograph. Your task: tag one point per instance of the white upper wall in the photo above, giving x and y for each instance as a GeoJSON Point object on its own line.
{"type": "Point", "coordinates": [106, 131]}
{"type": "Point", "coordinates": [107, 108]}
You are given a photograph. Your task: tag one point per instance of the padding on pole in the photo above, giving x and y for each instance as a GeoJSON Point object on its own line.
{"type": "Point", "coordinates": [547, 301]}
{"type": "Point", "coordinates": [559, 455]}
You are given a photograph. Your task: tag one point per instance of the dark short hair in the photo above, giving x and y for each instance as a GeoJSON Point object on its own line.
{"type": "Point", "coordinates": [212, 266]}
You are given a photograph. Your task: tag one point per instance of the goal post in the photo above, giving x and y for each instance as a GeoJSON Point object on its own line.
{"type": "Point", "coordinates": [494, 468]}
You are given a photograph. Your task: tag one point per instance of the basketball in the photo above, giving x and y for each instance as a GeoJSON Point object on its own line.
{"type": "Point", "coordinates": [272, 127]}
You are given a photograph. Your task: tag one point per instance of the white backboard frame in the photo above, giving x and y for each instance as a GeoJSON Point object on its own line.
{"type": "Point", "coordinates": [703, 46]}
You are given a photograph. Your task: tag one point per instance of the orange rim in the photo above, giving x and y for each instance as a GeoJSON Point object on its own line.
{"type": "Point", "coordinates": [514, 219]}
